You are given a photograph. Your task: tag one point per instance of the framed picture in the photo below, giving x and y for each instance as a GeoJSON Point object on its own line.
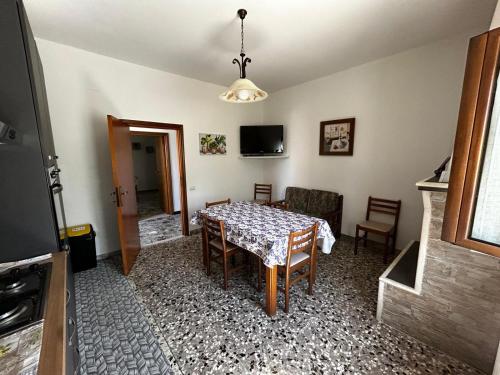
{"type": "Point", "coordinates": [336, 137]}
{"type": "Point", "coordinates": [212, 144]}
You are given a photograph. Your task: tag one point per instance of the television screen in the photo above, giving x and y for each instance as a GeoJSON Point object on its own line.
{"type": "Point", "coordinates": [261, 140]}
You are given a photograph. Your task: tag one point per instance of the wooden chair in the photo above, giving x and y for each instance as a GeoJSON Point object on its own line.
{"type": "Point", "coordinates": [210, 204]}
{"type": "Point", "coordinates": [218, 249]}
{"type": "Point", "coordinates": [389, 231]}
{"type": "Point", "coordinates": [301, 253]}
{"type": "Point", "coordinates": [263, 190]}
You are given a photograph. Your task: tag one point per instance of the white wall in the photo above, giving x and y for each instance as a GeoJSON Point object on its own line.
{"type": "Point", "coordinates": [495, 21]}
{"type": "Point", "coordinates": [84, 87]}
{"type": "Point", "coordinates": [145, 164]}
{"type": "Point", "coordinates": [406, 109]}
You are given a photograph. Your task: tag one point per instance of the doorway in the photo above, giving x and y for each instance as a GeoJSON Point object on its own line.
{"type": "Point", "coordinates": [120, 132]}
{"type": "Point", "coordinates": [157, 186]}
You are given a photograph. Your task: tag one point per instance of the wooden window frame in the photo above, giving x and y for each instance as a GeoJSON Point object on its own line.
{"type": "Point", "coordinates": [478, 94]}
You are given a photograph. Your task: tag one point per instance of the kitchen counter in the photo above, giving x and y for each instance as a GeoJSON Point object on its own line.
{"type": "Point", "coordinates": [42, 345]}
{"type": "Point", "coordinates": [53, 353]}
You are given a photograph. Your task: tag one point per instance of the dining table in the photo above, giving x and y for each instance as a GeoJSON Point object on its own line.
{"type": "Point", "coordinates": [264, 231]}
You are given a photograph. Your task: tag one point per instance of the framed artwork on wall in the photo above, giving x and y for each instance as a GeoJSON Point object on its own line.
{"type": "Point", "coordinates": [212, 144]}
{"type": "Point", "coordinates": [336, 137]}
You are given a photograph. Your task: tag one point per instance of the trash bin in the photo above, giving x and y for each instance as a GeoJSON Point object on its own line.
{"type": "Point", "coordinates": [81, 239]}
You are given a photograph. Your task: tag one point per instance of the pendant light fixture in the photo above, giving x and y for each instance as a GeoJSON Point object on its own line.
{"type": "Point", "coordinates": [243, 90]}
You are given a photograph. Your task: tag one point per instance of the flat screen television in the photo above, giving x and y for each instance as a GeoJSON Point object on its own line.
{"type": "Point", "coordinates": [261, 140]}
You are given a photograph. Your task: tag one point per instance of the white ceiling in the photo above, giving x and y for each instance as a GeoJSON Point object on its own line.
{"type": "Point", "coordinates": [289, 41]}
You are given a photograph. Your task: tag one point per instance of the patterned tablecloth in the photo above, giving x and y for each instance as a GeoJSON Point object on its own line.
{"type": "Point", "coordinates": [264, 230]}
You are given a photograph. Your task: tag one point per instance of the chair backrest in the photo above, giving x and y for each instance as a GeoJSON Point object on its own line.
{"type": "Point", "coordinates": [214, 229]}
{"type": "Point", "coordinates": [210, 204]}
{"type": "Point", "coordinates": [302, 241]}
{"type": "Point", "coordinates": [263, 189]}
{"type": "Point", "coordinates": [384, 206]}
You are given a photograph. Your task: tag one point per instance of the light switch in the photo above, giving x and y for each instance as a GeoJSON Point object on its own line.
{"type": "Point", "coordinates": [192, 188]}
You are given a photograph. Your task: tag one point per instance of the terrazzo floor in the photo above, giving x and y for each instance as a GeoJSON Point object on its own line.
{"type": "Point", "coordinates": [206, 330]}
{"type": "Point", "coordinates": [154, 224]}
{"type": "Point", "coordinates": [148, 204]}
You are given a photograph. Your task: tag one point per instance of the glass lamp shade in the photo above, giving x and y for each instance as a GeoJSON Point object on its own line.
{"type": "Point", "coordinates": [243, 91]}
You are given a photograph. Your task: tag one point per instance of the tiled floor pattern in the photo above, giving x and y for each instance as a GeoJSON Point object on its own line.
{"type": "Point", "coordinates": [114, 335]}
{"type": "Point", "coordinates": [154, 225]}
{"type": "Point", "coordinates": [212, 331]}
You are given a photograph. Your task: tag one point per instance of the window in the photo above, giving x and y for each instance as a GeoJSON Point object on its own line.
{"type": "Point", "coordinates": [472, 214]}
{"type": "Point", "coordinates": [486, 220]}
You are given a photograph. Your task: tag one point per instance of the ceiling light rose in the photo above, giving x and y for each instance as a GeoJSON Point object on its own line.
{"type": "Point", "coordinates": [243, 90]}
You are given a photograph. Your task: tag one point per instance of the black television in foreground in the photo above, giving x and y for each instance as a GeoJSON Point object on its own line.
{"type": "Point", "coordinates": [258, 140]}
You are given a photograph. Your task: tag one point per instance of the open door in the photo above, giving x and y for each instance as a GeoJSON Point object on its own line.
{"type": "Point", "coordinates": [164, 174]}
{"type": "Point", "coordinates": [124, 184]}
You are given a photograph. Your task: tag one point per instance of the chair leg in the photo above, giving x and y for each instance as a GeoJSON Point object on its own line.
{"type": "Point", "coordinates": [287, 294]}
{"type": "Point", "coordinates": [356, 239]}
{"type": "Point", "coordinates": [393, 250]}
{"type": "Point", "coordinates": [365, 238]}
{"type": "Point", "coordinates": [209, 260]}
{"type": "Point", "coordinates": [311, 279]}
{"type": "Point", "coordinates": [204, 248]}
{"type": "Point", "coordinates": [226, 272]}
{"type": "Point", "coordinates": [259, 276]}
{"type": "Point", "coordinates": [386, 248]}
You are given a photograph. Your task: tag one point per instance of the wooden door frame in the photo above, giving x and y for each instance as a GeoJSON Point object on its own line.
{"type": "Point", "coordinates": [166, 186]}
{"type": "Point", "coordinates": [478, 96]}
{"type": "Point", "coordinates": [179, 132]}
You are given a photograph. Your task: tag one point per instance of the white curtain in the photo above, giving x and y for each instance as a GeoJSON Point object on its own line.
{"type": "Point", "coordinates": [486, 224]}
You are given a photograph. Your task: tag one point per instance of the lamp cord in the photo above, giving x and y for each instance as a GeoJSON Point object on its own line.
{"type": "Point", "coordinates": [242, 36]}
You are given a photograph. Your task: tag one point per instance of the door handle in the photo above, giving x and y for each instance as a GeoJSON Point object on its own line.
{"type": "Point", "coordinates": [56, 188]}
{"type": "Point", "coordinates": [117, 195]}
{"type": "Point", "coordinates": [55, 172]}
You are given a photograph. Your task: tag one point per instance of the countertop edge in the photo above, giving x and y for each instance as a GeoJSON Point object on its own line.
{"type": "Point", "coordinates": [430, 184]}
{"type": "Point", "coordinates": [53, 352]}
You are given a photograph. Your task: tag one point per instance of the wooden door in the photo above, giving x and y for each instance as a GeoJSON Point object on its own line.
{"type": "Point", "coordinates": [164, 174]}
{"type": "Point", "coordinates": [120, 148]}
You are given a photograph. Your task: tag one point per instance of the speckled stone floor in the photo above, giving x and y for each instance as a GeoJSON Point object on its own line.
{"type": "Point", "coordinates": [148, 203]}
{"type": "Point", "coordinates": [154, 225]}
{"type": "Point", "coordinates": [159, 228]}
{"type": "Point", "coordinates": [207, 330]}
